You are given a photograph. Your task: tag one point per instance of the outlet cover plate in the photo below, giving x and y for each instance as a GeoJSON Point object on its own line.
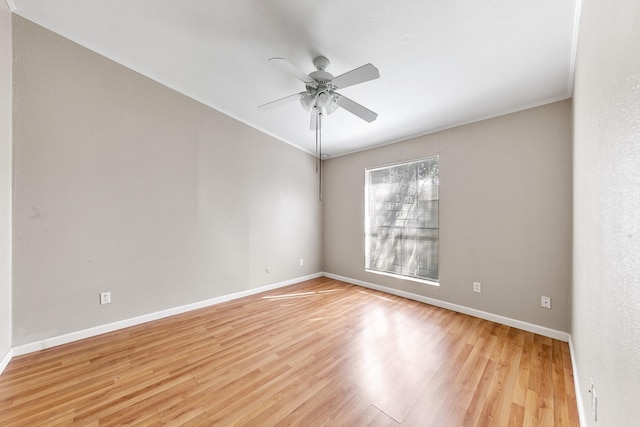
{"type": "Point", "coordinates": [545, 302]}
{"type": "Point", "coordinates": [105, 298]}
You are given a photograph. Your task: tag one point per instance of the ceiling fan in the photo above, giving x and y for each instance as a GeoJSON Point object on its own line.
{"type": "Point", "coordinates": [320, 96]}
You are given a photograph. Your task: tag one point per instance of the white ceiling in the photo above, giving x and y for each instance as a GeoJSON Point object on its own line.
{"type": "Point", "coordinates": [442, 63]}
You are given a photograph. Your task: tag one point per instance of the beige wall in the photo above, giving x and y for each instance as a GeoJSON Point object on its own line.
{"type": "Point", "coordinates": [505, 214]}
{"type": "Point", "coordinates": [124, 185]}
{"type": "Point", "coordinates": [5, 179]}
{"type": "Point", "coordinates": [606, 290]}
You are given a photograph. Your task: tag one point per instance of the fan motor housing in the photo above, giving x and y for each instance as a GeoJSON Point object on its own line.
{"type": "Point", "coordinates": [321, 76]}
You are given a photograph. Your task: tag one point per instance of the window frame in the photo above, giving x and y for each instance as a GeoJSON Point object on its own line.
{"type": "Point", "coordinates": [367, 225]}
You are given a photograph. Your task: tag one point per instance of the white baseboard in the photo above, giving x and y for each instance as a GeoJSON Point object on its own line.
{"type": "Point", "coordinates": [121, 324]}
{"type": "Point", "coordinates": [5, 360]}
{"type": "Point", "coordinates": [530, 327]}
{"type": "Point", "coordinates": [582, 416]}
{"type": "Point", "coordinates": [102, 329]}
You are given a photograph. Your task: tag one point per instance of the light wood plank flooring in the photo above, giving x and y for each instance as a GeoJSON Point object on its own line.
{"type": "Point", "coordinates": [319, 353]}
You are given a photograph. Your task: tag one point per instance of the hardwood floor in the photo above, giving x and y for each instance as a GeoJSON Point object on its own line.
{"type": "Point", "coordinates": [319, 353]}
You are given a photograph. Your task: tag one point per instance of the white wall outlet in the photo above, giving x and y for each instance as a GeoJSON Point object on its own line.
{"type": "Point", "coordinates": [105, 297]}
{"type": "Point", "coordinates": [477, 287]}
{"type": "Point", "coordinates": [301, 261]}
{"type": "Point", "coordinates": [545, 302]}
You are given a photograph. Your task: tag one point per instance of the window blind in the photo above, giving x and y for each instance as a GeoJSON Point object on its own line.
{"type": "Point", "coordinates": [402, 231]}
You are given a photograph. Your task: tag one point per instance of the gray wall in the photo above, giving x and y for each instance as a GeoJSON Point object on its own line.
{"type": "Point", "coordinates": [606, 293]}
{"type": "Point", "coordinates": [124, 185]}
{"type": "Point", "coordinates": [5, 179]}
{"type": "Point", "coordinates": [505, 214]}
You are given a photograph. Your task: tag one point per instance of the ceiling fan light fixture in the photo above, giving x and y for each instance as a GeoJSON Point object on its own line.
{"type": "Point", "coordinates": [323, 99]}
{"type": "Point", "coordinates": [307, 101]}
{"type": "Point", "coordinates": [333, 106]}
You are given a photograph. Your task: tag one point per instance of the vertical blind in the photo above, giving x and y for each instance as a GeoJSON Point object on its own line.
{"type": "Point", "coordinates": [401, 219]}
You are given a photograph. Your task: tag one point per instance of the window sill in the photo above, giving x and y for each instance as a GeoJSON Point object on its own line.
{"type": "Point", "coordinates": [401, 277]}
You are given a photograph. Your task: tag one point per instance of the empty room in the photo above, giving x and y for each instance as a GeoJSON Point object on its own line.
{"type": "Point", "coordinates": [364, 213]}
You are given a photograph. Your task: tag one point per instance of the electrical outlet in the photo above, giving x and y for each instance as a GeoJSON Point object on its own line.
{"type": "Point", "coordinates": [545, 302]}
{"type": "Point", "coordinates": [105, 298]}
{"type": "Point", "coordinates": [477, 287]}
{"type": "Point", "coordinates": [301, 261]}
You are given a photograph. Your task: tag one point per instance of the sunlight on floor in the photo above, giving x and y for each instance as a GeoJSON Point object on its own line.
{"type": "Point", "coordinates": [299, 294]}
{"type": "Point", "coordinates": [377, 296]}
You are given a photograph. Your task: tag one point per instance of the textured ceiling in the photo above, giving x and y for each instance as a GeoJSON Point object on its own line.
{"type": "Point", "coordinates": [441, 64]}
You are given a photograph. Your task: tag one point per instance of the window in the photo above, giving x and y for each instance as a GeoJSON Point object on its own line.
{"type": "Point", "coordinates": [401, 220]}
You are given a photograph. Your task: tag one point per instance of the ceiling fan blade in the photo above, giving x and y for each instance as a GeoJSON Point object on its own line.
{"type": "Point", "coordinates": [359, 75]}
{"type": "Point", "coordinates": [356, 109]}
{"type": "Point", "coordinates": [289, 68]}
{"type": "Point", "coordinates": [279, 102]}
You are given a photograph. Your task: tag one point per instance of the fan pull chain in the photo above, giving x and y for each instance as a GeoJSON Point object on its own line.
{"type": "Point", "coordinates": [315, 111]}
{"type": "Point", "coordinates": [319, 155]}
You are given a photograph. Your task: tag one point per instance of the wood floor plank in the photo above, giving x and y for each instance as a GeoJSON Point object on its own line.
{"type": "Point", "coordinates": [321, 352]}
{"type": "Point", "coordinates": [516, 415]}
{"type": "Point", "coordinates": [531, 410]}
